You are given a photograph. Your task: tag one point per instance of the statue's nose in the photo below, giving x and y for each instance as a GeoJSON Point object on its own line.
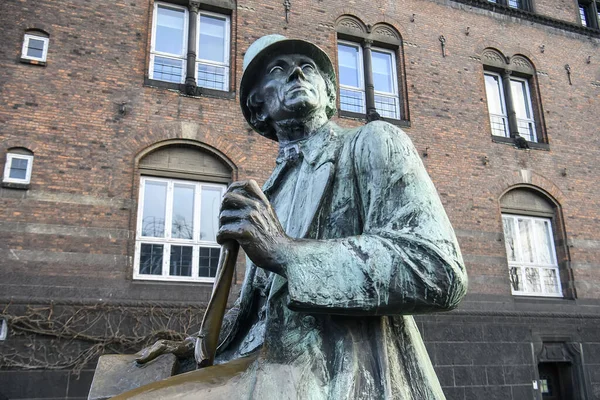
{"type": "Point", "coordinates": [296, 74]}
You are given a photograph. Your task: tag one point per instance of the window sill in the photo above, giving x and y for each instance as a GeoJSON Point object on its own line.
{"type": "Point", "coordinates": [180, 87]}
{"type": "Point", "coordinates": [362, 117]}
{"type": "Point", "coordinates": [15, 185]}
{"type": "Point", "coordinates": [511, 141]}
{"type": "Point", "coordinates": [32, 62]}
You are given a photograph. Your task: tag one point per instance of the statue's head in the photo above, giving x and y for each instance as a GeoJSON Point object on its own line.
{"type": "Point", "coordinates": [285, 79]}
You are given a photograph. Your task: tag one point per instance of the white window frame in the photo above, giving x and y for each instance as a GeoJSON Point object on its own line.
{"type": "Point", "coordinates": [361, 75]}
{"type": "Point", "coordinates": [394, 95]}
{"type": "Point", "coordinates": [3, 329]}
{"type": "Point", "coordinates": [227, 48]}
{"type": "Point", "coordinates": [167, 241]}
{"type": "Point", "coordinates": [504, 115]}
{"type": "Point", "coordinates": [29, 36]}
{"type": "Point", "coordinates": [529, 121]}
{"type": "Point", "coordinates": [537, 265]}
{"type": "Point", "coordinates": [9, 158]}
{"type": "Point", "coordinates": [184, 46]}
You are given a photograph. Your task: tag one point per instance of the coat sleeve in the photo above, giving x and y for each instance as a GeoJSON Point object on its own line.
{"type": "Point", "coordinates": [407, 258]}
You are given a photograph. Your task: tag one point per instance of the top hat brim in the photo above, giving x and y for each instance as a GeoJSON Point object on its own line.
{"type": "Point", "coordinates": [254, 73]}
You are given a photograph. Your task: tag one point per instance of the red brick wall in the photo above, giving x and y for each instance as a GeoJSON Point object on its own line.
{"type": "Point", "coordinates": [84, 173]}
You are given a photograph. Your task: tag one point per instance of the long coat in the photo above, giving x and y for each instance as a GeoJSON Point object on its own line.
{"type": "Point", "coordinates": [377, 248]}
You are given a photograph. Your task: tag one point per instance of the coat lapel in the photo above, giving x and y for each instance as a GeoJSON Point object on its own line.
{"type": "Point", "coordinates": [314, 181]}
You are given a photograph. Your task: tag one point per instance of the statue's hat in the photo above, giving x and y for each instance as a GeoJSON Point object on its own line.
{"type": "Point", "coordinates": [265, 48]}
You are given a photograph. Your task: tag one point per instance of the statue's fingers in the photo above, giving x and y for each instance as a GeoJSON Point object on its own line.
{"type": "Point", "coordinates": [250, 189]}
{"type": "Point", "coordinates": [238, 201]}
{"type": "Point", "coordinates": [240, 232]}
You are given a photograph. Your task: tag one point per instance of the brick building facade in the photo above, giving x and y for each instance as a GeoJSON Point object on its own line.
{"type": "Point", "coordinates": [500, 99]}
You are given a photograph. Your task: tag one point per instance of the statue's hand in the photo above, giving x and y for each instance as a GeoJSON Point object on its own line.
{"type": "Point", "coordinates": [183, 348]}
{"type": "Point", "coordinates": [248, 218]}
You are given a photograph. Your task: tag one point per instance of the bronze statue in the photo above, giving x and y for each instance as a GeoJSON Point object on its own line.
{"type": "Point", "coordinates": [346, 240]}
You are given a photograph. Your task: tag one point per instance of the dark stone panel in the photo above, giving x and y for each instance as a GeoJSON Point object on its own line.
{"type": "Point", "coordinates": [591, 352]}
{"type": "Point", "coordinates": [518, 374]}
{"type": "Point", "coordinates": [502, 354]}
{"type": "Point", "coordinates": [454, 393]}
{"type": "Point", "coordinates": [470, 376]}
{"type": "Point", "coordinates": [443, 332]}
{"type": "Point", "coordinates": [483, 353]}
{"type": "Point", "coordinates": [506, 333]}
{"type": "Point", "coordinates": [595, 389]}
{"type": "Point", "coordinates": [34, 384]}
{"type": "Point", "coordinates": [495, 376]}
{"type": "Point", "coordinates": [593, 371]}
{"type": "Point", "coordinates": [523, 392]}
{"type": "Point", "coordinates": [488, 393]}
{"type": "Point", "coordinates": [445, 375]}
{"type": "Point", "coordinates": [79, 386]}
{"type": "Point", "coordinates": [455, 353]}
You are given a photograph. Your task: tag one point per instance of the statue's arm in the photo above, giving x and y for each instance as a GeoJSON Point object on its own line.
{"type": "Point", "coordinates": [406, 260]}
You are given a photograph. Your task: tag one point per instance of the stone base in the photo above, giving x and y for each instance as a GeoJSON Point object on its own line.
{"type": "Point", "coordinates": [116, 374]}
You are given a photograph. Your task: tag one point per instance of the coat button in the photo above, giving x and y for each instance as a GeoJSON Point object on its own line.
{"type": "Point", "coordinates": [308, 321]}
{"type": "Point", "coordinates": [337, 295]}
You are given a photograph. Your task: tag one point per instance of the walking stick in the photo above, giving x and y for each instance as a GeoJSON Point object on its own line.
{"type": "Point", "coordinates": [208, 337]}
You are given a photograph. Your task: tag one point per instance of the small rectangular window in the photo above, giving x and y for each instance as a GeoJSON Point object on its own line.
{"type": "Point", "coordinates": [385, 83]}
{"type": "Point", "coordinates": [352, 90]}
{"type": "Point", "coordinates": [213, 51]}
{"type": "Point", "coordinates": [35, 47]}
{"type": "Point", "coordinates": [169, 43]}
{"type": "Point", "coordinates": [18, 168]}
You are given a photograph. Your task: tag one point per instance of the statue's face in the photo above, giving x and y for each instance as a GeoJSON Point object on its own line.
{"type": "Point", "coordinates": [292, 87]}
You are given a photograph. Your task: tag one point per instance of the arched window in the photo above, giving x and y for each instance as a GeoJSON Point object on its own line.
{"type": "Point", "coordinates": [513, 100]}
{"type": "Point", "coordinates": [535, 244]}
{"type": "Point", "coordinates": [179, 200]}
{"type": "Point", "coordinates": [370, 70]}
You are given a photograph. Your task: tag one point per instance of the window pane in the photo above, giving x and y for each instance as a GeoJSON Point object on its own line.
{"type": "Point", "coordinates": [515, 3]}
{"type": "Point", "coordinates": [180, 263]}
{"type": "Point", "coordinates": [212, 77]}
{"type": "Point", "coordinates": [492, 90]}
{"type": "Point", "coordinates": [515, 279]}
{"type": "Point", "coordinates": [349, 67]}
{"type": "Point", "coordinates": [167, 69]}
{"type": "Point", "coordinates": [18, 168]}
{"type": "Point", "coordinates": [169, 31]}
{"type": "Point", "coordinates": [155, 200]}
{"type": "Point", "coordinates": [520, 99]}
{"type": "Point", "coordinates": [35, 48]}
{"type": "Point", "coordinates": [543, 245]}
{"type": "Point", "coordinates": [387, 106]}
{"type": "Point", "coordinates": [182, 226]}
{"type": "Point", "coordinates": [582, 15]}
{"type": "Point", "coordinates": [151, 258]}
{"type": "Point", "coordinates": [351, 100]}
{"type": "Point", "coordinates": [209, 213]}
{"type": "Point", "coordinates": [212, 38]}
{"type": "Point", "coordinates": [532, 280]}
{"type": "Point", "coordinates": [551, 282]}
{"type": "Point", "coordinates": [509, 238]}
{"type": "Point", "coordinates": [382, 72]}
{"type": "Point", "coordinates": [209, 260]}
{"type": "Point", "coordinates": [525, 240]}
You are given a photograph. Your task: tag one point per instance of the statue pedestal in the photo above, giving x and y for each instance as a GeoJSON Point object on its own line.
{"type": "Point", "coordinates": [116, 374]}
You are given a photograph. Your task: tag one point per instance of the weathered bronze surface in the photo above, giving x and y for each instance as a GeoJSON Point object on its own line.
{"type": "Point", "coordinates": [346, 240]}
